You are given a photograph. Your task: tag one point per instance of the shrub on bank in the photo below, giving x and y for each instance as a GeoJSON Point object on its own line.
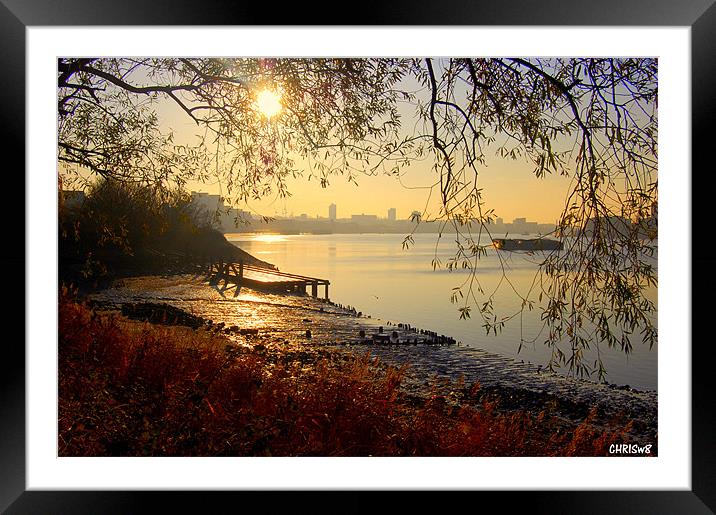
{"type": "Point", "coordinates": [128, 388]}
{"type": "Point", "coordinates": [125, 229]}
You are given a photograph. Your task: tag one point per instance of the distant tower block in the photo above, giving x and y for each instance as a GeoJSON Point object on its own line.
{"type": "Point", "coordinates": [391, 214]}
{"type": "Point", "coordinates": [332, 212]}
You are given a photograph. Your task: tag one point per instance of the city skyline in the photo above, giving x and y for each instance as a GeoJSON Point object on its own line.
{"type": "Point", "coordinates": [510, 195]}
{"type": "Point", "coordinates": [211, 210]}
{"type": "Point", "coordinates": [208, 201]}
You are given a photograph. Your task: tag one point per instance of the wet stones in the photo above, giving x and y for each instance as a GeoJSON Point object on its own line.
{"type": "Point", "coordinates": [234, 350]}
{"type": "Point", "coordinates": [164, 314]}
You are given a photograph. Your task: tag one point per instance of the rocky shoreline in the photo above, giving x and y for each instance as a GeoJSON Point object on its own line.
{"type": "Point", "coordinates": [303, 329]}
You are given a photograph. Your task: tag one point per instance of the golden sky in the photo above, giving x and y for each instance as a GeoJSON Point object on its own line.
{"type": "Point", "coordinates": [509, 188]}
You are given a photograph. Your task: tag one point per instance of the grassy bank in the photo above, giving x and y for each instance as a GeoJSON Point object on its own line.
{"type": "Point", "coordinates": [129, 388]}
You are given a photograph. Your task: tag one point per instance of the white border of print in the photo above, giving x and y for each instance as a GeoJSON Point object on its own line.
{"type": "Point", "coordinates": [671, 469]}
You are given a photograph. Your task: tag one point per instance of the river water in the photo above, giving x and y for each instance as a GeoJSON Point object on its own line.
{"type": "Point", "coordinates": [374, 274]}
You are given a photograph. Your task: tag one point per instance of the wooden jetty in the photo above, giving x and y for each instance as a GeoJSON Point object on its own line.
{"type": "Point", "coordinates": [264, 279]}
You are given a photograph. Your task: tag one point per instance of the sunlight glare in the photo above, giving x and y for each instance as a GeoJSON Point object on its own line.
{"type": "Point", "coordinates": [268, 103]}
{"type": "Point", "coordinates": [269, 238]}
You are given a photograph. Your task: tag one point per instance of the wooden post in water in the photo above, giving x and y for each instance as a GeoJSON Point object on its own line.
{"type": "Point", "coordinates": [327, 283]}
{"type": "Point", "coordinates": [241, 270]}
{"type": "Point", "coordinates": [314, 289]}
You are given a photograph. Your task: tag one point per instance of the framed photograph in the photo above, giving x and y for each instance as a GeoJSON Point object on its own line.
{"type": "Point", "coordinates": [278, 168]}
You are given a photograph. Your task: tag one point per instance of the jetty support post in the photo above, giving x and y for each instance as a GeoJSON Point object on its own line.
{"type": "Point", "coordinates": [314, 289]}
{"type": "Point", "coordinates": [241, 269]}
{"type": "Point", "coordinates": [219, 270]}
{"type": "Point", "coordinates": [327, 283]}
{"type": "Point", "coordinates": [213, 275]}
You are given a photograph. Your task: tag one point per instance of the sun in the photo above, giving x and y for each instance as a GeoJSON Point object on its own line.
{"type": "Point", "coordinates": [268, 103]}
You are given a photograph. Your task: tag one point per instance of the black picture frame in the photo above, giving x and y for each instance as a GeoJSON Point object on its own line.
{"type": "Point", "coordinates": [700, 15]}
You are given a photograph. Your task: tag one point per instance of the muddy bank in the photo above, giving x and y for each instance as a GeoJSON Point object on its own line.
{"type": "Point", "coordinates": [303, 329]}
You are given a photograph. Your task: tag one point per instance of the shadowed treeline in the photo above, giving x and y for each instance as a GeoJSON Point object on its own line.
{"type": "Point", "coordinates": [122, 229]}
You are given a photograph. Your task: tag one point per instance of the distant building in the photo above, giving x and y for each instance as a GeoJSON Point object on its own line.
{"type": "Point", "coordinates": [499, 221]}
{"type": "Point", "coordinates": [620, 224]}
{"type": "Point", "coordinates": [332, 212]}
{"type": "Point", "coordinates": [521, 225]}
{"type": "Point", "coordinates": [204, 201]}
{"type": "Point", "coordinates": [234, 219]}
{"type": "Point", "coordinates": [211, 210]}
{"type": "Point", "coordinates": [391, 214]}
{"type": "Point", "coordinates": [651, 225]}
{"type": "Point", "coordinates": [207, 208]}
{"type": "Point", "coordinates": [364, 218]}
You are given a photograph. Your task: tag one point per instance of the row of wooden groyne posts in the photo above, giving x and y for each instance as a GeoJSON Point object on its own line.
{"type": "Point", "coordinates": [405, 334]}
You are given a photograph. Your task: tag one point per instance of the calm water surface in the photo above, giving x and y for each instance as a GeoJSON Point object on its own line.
{"type": "Point", "coordinates": [374, 274]}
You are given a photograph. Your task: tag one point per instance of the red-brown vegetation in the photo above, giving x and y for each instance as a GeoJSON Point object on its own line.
{"type": "Point", "coordinates": [129, 388]}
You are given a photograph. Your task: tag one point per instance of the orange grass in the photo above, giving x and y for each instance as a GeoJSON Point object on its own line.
{"type": "Point", "coordinates": [135, 389]}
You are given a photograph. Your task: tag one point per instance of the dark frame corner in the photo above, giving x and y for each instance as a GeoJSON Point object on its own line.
{"type": "Point", "coordinates": [700, 15]}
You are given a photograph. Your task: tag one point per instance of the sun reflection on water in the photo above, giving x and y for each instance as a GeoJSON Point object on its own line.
{"type": "Point", "coordinates": [249, 296]}
{"type": "Point", "coordinates": [269, 238]}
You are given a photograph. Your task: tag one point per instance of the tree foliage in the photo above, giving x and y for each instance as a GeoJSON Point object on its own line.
{"type": "Point", "coordinates": [591, 119]}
